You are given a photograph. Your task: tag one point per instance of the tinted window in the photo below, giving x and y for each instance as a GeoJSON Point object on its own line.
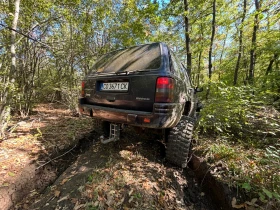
{"type": "Point", "coordinates": [137, 58]}
{"type": "Point", "coordinates": [176, 66]}
{"type": "Point", "coordinates": [187, 79]}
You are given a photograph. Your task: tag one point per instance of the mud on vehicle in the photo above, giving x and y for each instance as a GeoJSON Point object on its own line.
{"type": "Point", "coordinates": [143, 86]}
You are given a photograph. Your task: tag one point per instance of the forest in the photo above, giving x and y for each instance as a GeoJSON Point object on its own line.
{"type": "Point", "coordinates": [230, 47]}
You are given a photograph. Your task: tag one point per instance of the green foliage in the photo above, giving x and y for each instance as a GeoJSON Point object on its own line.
{"type": "Point", "coordinates": [241, 114]}
{"type": "Point", "coordinates": [246, 186]}
{"type": "Point", "coordinates": [226, 112]}
{"type": "Point", "coordinates": [222, 151]}
{"type": "Point", "coordinates": [271, 166]}
{"type": "Point", "coordinates": [90, 178]}
{"type": "Point", "coordinates": [269, 88]}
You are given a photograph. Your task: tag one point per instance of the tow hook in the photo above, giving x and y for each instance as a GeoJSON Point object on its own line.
{"type": "Point", "coordinates": [114, 134]}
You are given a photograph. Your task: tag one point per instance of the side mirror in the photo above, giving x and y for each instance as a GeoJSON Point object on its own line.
{"type": "Point", "coordinates": [197, 89]}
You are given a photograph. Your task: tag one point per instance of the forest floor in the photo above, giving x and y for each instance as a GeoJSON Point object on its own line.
{"type": "Point", "coordinates": [32, 142]}
{"type": "Point", "coordinates": [52, 160]}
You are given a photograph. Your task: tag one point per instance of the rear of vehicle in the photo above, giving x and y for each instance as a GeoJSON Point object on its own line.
{"type": "Point", "coordinates": [135, 86]}
{"type": "Point", "coordinates": [142, 86]}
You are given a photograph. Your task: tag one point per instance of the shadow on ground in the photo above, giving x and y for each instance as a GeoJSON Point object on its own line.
{"type": "Point", "coordinates": [129, 174]}
{"type": "Point", "coordinates": [55, 161]}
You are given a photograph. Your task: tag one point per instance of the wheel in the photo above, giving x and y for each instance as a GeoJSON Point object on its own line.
{"type": "Point", "coordinates": [179, 142]}
{"type": "Point", "coordinates": [101, 127]}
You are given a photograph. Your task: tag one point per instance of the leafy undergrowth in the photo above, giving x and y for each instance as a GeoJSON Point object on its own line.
{"type": "Point", "coordinates": [37, 139]}
{"type": "Point", "coordinates": [242, 145]}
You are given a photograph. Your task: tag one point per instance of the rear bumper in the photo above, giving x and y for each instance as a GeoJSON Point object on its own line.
{"type": "Point", "coordinates": [164, 115]}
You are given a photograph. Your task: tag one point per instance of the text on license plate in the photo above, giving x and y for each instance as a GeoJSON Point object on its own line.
{"type": "Point", "coordinates": [114, 86]}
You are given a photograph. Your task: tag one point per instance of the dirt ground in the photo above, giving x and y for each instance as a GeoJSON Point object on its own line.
{"type": "Point", "coordinates": [31, 143]}
{"type": "Point", "coordinates": [54, 161]}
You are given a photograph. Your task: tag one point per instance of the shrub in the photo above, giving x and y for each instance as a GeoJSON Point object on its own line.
{"type": "Point", "coordinates": [227, 110]}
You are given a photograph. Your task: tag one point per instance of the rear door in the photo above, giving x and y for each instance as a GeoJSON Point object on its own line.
{"type": "Point", "coordinates": [124, 92]}
{"type": "Point", "coordinates": [125, 79]}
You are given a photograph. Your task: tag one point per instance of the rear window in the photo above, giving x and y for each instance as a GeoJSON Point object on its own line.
{"type": "Point", "coordinates": [138, 58]}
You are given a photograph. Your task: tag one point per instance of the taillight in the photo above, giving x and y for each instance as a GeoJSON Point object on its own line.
{"type": "Point", "coordinates": [164, 89]}
{"type": "Point", "coordinates": [83, 89]}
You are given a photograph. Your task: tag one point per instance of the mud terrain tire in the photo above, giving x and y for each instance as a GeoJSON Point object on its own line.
{"type": "Point", "coordinates": [179, 142]}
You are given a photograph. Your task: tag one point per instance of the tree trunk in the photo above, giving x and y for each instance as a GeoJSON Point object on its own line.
{"type": "Point", "coordinates": [211, 47]}
{"type": "Point", "coordinates": [269, 68]}
{"type": "Point", "coordinates": [253, 47]}
{"type": "Point", "coordinates": [187, 36]}
{"type": "Point", "coordinates": [199, 68]}
{"type": "Point", "coordinates": [13, 37]}
{"type": "Point", "coordinates": [240, 43]}
{"type": "Point", "coordinates": [222, 54]}
{"type": "Point", "coordinates": [212, 39]}
{"type": "Point", "coordinates": [223, 48]}
{"type": "Point", "coordinates": [6, 99]}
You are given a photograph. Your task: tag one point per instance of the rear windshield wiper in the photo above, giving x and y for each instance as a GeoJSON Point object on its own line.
{"type": "Point", "coordinates": [117, 73]}
{"type": "Point", "coordinates": [131, 72]}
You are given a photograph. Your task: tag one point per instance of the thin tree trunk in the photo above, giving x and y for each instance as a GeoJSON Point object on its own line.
{"type": "Point", "coordinates": [240, 43]}
{"type": "Point", "coordinates": [223, 48]}
{"type": "Point", "coordinates": [70, 78]}
{"type": "Point", "coordinates": [222, 54]}
{"type": "Point", "coordinates": [13, 37]}
{"type": "Point", "coordinates": [199, 68]}
{"type": "Point", "coordinates": [253, 47]}
{"type": "Point", "coordinates": [187, 36]}
{"type": "Point", "coordinates": [269, 68]}
{"type": "Point", "coordinates": [6, 99]}
{"type": "Point", "coordinates": [211, 47]}
{"type": "Point", "coordinates": [200, 56]}
{"type": "Point", "coordinates": [212, 39]}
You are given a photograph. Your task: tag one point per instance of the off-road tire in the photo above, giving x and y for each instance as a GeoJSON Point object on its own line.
{"type": "Point", "coordinates": [179, 141]}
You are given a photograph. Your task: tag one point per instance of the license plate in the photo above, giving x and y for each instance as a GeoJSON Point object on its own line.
{"type": "Point", "coordinates": [114, 86]}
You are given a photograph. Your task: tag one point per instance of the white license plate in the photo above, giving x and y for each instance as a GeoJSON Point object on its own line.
{"type": "Point", "coordinates": [114, 86]}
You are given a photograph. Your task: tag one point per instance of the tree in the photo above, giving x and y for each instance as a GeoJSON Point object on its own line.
{"type": "Point", "coordinates": [240, 42]}
{"type": "Point", "coordinates": [7, 92]}
{"type": "Point", "coordinates": [254, 40]}
{"type": "Point", "coordinates": [210, 64]}
{"type": "Point", "coordinates": [45, 52]}
{"type": "Point", "coordinates": [187, 37]}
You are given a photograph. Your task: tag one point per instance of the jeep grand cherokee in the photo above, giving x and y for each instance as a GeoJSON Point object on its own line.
{"type": "Point", "coordinates": [144, 86]}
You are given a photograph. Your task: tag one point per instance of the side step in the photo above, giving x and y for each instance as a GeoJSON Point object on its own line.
{"type": "Point", "coordinates": [115, 130]}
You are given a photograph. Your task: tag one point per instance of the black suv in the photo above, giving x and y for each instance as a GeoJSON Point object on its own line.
{"type": "Point", "coordinates": [143, 86]}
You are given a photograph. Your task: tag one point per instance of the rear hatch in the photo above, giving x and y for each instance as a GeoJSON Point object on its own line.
{"type": "Point", "coordinates": [125, 79]}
